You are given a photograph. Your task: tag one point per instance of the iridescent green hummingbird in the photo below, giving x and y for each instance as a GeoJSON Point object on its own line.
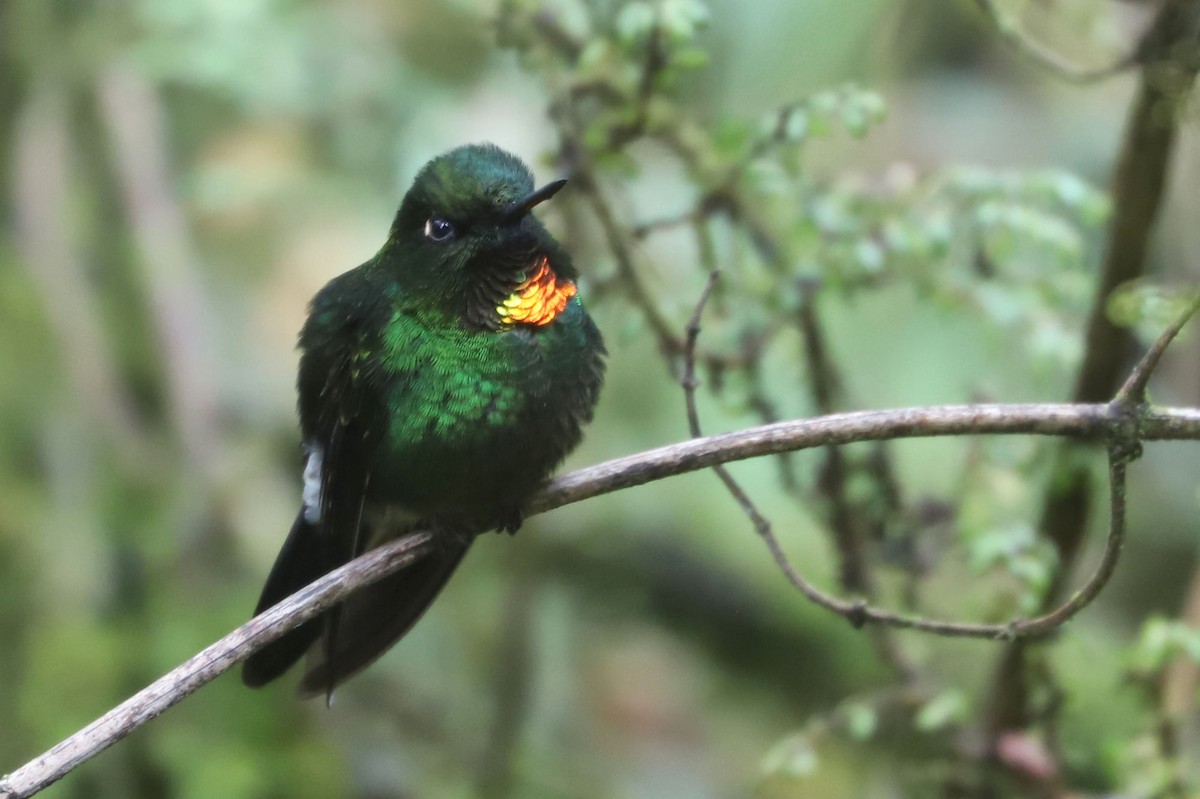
{"type": "Point", "coordinates": [440, 384]}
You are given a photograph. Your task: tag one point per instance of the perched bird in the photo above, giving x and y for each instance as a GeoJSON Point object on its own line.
{"type": "Point", "coordinates": [440, 384]}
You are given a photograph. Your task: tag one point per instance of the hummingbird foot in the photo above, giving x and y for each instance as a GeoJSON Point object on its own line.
{"type": "Point", "coordinates": [511, 521]}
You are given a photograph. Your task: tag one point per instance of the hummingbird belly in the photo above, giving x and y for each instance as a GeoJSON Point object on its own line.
{"type": "Point", "coordinates": [483, 423]}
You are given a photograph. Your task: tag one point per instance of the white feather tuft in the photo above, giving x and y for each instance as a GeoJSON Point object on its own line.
{"type": "Point", "coordinates": [312, 484]}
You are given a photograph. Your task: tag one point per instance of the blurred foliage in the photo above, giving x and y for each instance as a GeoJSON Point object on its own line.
{"type": "Point", "coordinates": [901, 214]}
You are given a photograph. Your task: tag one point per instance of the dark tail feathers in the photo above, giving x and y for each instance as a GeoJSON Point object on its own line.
{"type": "Point", "coordinates": [367, 623]}
{"type": "Point", "coordinates": [378, 616]}
{"type": "Point", "coordinates": [301, 560]}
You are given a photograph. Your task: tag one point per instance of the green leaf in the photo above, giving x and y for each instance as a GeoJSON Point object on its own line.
{"type": "Point", "coordinates": [682, 19]}
{"type": "Point", "coordinates": [861, 110]}
{"type": "Point", "coordinates": [1094, 209]}
{"type": "Point", "coordinates": [634, 23]}
{"type": "Point", "coordinates": [797, 126]}
{"type": "Point", "coordinates": [1153, 646]}
{"type": "Point", "coordinates": [1160, 641]}
{"type": "Point", "coordinates": [873, 105]}
{"type": "Point", "coordinates": [946, 708]}
{"type": "Point", "coordinates": [794, 756]}
{"type": "Point", "coordinates": [691, 58]}
{"type": "Point", "coordinates": [1147, 305]}
{"type": "Point", "coordinates": [869, 256]}
{"type": "Point", "coordinates": [597, 54]}
{"type": "Point", "coordinates": [862, 721]}
{"type": "Point", "coordinates": [856, 122]}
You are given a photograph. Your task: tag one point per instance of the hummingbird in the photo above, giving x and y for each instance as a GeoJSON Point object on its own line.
{"type": "Point", "coordinates": [440, 383]}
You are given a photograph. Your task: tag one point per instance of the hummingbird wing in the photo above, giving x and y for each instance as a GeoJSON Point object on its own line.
{"type": "Point", "coordinates": [341, 417]}
{"type": "Point", "coordinates": [334, 399]}
{"type": "Point", "coordinates": [371, 620]}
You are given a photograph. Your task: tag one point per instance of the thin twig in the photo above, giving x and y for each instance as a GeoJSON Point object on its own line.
{"type": "Point", "coordinates": [1093, 422]}
{"type": "Point", "coordinates": [761, 524]}
{"type": "Point", "coordinates": [622, 248]}
{"type": "Point", "coordinates": [845, 522]}
{"type": "Point", "coordinates": [1133, 392]}
{"type": "Point", "coordinates": [1052, 620]}
{"type": "Point", "coordinates": [689, 381]}
{"type": "Point", "coordinates": [645, 229]}
{"type": "Point", "coordinates": [824, 385]}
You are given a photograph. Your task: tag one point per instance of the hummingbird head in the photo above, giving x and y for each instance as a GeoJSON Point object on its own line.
{"type": "Point", "coordinates": [467, 242]}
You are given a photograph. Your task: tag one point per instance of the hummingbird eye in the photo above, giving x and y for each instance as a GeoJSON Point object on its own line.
{"type": "Point", "coordinates": [438, 229]}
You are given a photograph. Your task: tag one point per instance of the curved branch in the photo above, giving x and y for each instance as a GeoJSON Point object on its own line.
{"type": "Point", "coordinates": [1093, 422]}
{"type": "Point", "coordinates": [1090, 421]}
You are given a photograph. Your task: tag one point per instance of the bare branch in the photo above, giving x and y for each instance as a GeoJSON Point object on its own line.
{"type": "Point", "coordinates": [1091, 422]}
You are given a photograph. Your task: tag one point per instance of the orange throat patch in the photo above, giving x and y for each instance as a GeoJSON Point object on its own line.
{"type": "Point", "coordinates": [538, 299]}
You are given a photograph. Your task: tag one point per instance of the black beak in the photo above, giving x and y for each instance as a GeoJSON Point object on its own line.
{"type": "Point", "coordinates": [521, 207]}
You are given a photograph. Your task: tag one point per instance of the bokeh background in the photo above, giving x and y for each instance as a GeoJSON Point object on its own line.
{"type": "Point", "coordinates": [179, 177]}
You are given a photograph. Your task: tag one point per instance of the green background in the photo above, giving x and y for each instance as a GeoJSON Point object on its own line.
{"type": "Point", "coordinates": [178, 178]}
